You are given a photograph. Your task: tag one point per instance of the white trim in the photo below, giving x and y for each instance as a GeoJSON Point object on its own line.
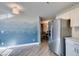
{"type": "Point", "coordinates": [39, 30]}
{"type": "Point", "coordinates": [20, 45]}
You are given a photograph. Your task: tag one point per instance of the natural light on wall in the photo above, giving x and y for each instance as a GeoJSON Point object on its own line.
{"type": "Point", "coordinates": [5, 16]}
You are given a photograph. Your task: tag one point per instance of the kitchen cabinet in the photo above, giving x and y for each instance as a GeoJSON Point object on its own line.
{"type": "Point", "coordinates": [76, 49]}
{"type": "Point", "coordinates": [74, 16]}
{"type": "Point", "coordinates": [72, 47]}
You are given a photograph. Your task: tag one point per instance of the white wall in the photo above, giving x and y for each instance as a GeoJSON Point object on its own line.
{"type": "Point", "coordinates": [66, 11]}
{"type": "Point", "coordinates": [75, 32]}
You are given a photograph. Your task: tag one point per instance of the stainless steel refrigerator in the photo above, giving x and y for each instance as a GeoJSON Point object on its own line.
{"type": "Point", "coordinates": [58, 29]}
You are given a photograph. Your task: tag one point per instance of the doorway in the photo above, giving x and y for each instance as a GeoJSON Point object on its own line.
{"type": "Point", "coordinates": [44, 29]}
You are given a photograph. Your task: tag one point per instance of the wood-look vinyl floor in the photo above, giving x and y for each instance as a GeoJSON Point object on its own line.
{"type": "Point", "coordinates": [34, 50]}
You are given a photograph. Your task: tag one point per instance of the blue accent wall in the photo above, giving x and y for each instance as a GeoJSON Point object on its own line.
{"type": "Point", "coordinates": [18, 31]}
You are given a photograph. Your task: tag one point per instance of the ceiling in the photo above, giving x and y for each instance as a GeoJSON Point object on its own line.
{"type": "Point", "coordinates": [42, 9]}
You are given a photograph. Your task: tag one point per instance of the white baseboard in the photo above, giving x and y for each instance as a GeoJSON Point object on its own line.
{"type": "Point", "coordinates": [20, 45]}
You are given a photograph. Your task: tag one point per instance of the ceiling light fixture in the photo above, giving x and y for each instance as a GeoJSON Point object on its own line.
{"type": "Point", "coordinates": [15, 8]}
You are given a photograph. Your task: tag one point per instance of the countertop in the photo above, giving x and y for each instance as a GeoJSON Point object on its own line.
{"type": "Point", "coordinates": [72, 39]}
